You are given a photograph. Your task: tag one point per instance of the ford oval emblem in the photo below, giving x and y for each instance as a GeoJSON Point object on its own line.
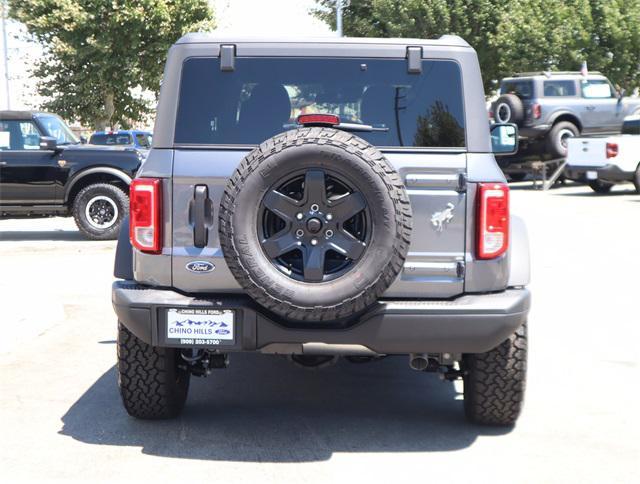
{"type": "Point", "coordinates": [200, 266]}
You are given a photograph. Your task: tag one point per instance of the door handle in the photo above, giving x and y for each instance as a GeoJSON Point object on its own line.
{"type": "Point", "coordinates": [591, 108]}
{"type": "Point", "coordinates": [202, 215]}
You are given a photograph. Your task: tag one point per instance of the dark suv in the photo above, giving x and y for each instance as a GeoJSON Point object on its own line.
{"type": "Point", "coordinates": [46, 171]}
{"type": "Point", "coordinates": [323, 199]}
{"type": "Point", "coordinates": [550, 107]}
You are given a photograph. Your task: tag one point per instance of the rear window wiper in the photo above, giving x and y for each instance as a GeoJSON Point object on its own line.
{"type": "Point", "coordinates": [359, 127]}
{"type": "Point", "coordinates": [333, 121]}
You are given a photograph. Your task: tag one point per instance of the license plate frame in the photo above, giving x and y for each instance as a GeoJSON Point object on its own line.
{"type": "Point", "coordinates": [592, 175]}
{"type": "Point", "coordinates": [198, 327]}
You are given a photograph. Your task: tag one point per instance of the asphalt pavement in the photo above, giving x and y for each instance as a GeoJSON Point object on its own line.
{"type": "Point", "coordinates": [263, 420]}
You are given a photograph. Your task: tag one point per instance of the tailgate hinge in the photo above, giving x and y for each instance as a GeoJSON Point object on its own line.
{"type": "Point", "coordinates": [227, 57]}
{"type": "Point", "coordinates": [462, 183]}
{"type": "Point", "coordinates": [414, 60]}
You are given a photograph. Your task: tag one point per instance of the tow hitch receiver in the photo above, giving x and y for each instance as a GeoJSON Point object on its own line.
{"type": "Point", "coordinates": [203, 362]}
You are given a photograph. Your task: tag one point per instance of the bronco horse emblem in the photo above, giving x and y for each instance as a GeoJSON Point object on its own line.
{"type": "Point", "coordinates": [439, 219]}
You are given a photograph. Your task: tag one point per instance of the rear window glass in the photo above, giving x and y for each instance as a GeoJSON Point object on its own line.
{"type": "Point", "coordinates": [522, 89]}
{"type": "Point", "coordinates": [110, 139]}
{"type": "Point", "coordinates": [559, 88]}
{"type": "Point", "coordinates": [264, 96]}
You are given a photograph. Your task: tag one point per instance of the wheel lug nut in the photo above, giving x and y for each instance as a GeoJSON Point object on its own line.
{"type": "Point", "coordinates": [299, 233]}
{"type": "Point", "coordinates": [299, 216]}
{"type": "Point", "coordinates": [314, 241]}
{"type": "Point", "coordinates": [315, 207]}
{"type": "Point", "coordinates": [329, 233]}
{"type": "Point", "coordinates": [329, 216]}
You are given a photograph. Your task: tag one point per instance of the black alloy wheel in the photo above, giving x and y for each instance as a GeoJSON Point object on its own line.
{"type": "Point", "coordinates": [314, 226]}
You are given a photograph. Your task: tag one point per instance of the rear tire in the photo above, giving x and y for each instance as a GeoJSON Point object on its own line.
{"type": "Point", "coordinates": [556, 138]}
{"type": "Point", "coordinates": [600, 186]}
{"type": "Point", "coordinates": [99, 210]}
{"type": "Point", "coordinates": [152, 384]}
{"type": "Point", "coordinates": [494, 382]}
{"type": "Point", "coordinates": [636, 179]}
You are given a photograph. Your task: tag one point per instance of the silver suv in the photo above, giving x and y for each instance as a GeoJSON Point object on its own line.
{"type": "Point", "coordinates": [317, 200]}
{"type": "Point", "coordinates": [550, 107]}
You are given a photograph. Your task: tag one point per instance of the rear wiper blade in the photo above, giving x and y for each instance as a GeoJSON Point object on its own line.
{"type": "Point", "coordinates": [359, 127]}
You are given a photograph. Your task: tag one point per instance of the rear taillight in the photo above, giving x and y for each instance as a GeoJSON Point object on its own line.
{"type": "Point", "coordinates": [536, 111]}
{"type": "Point", "coordinates": [612, 150]}
{"type": "Point", "coordinates": [144, 214]}
{"type": "Point", "coordinates": [493, 220]}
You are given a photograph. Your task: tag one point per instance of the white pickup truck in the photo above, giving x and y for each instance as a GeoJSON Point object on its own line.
{"type": "Point", "coordinates": [603, 162]}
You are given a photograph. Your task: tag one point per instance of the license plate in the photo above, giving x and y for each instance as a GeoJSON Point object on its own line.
{"type": "Point", "coordinates": [200, 326]}
{"type": "Point", "coordinates": [592, 175]}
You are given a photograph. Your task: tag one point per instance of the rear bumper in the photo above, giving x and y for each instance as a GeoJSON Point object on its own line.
{"type": "Point", "coordinates": [605, 172]}
{"type": "Point", "coordinates": [473, 323]}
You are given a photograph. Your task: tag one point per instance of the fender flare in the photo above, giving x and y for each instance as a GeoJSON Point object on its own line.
{"type": "Point", "coordinates": [554, 117]}
{"type": "Point", "coordinates": [91, 171]}
{"type": "Point", "coordinates": [519, 257]}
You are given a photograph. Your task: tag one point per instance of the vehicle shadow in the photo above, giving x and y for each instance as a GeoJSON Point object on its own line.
{"type": "Point", "coordinates": [263, 409]}
{"type": "Point", "coordinates": [44, 235]}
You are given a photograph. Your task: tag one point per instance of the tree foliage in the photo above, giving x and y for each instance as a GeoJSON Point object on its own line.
{"type": "Point", "coordinates": [103, 57]}
{"type": "Point", "coordinates": [512, 35]}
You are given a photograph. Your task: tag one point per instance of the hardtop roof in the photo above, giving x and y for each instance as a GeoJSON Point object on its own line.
{"type": "Point", "coordinates": [213, 38]}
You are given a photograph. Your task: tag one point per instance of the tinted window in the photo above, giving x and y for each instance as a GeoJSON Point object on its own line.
{"type": "Point", "coordinates": [263, 97]}
{"type": "Point", "coordinates": [596, 89]}
{"type": "Point", "coordinates": [559, 88]}
{"type": "Point", "coordinates": [143, 140]}
{"type": "Point", "coordinates": [19, 135]}
{"type": "Point", "coordinates": [111, 139]}
{"type": "Point", "coordinates": [522, 89]}
{"type": "Point", "coordinates": [57, 129]}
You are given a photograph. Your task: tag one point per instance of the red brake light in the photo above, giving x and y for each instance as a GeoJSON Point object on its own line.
{"type": "Point", "coordinates": [144, 215]}
{"type": "Point", "coordinates": [493, 220]}
{"type": "Point", "coordinates": [536, 110]}
{"type": "Point", "coordinates": [319, 119]}
{"type": "Point", "coordinates": [612, 150]}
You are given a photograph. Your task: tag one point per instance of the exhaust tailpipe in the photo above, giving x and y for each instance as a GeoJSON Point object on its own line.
{"type": "Point", "coordinates": [419, 361]}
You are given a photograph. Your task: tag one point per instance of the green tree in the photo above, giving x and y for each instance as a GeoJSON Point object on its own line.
{"type": "Point", "coordinates": [512, 35]}
{"type": "Point", "coordinates": [103, 57]}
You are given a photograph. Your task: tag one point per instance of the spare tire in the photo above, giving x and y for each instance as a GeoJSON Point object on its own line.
{"type": "Point", "coordinates": [315, 224]}
{"type": "Point", "coordinates": [508, 108]}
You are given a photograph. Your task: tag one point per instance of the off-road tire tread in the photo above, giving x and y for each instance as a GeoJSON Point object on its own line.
{"type": "Point", "coordinates": [151, 385]}
{"type": "Point", "coordinates": [494, 382]}
{"type": "Point", "coordinates": [268, 297]}
{"type": "Point", "coordinates": [78, 211]}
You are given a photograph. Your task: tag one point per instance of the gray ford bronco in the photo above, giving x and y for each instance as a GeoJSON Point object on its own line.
{"type": "Point", "coordinates": [551, 107]}
{"type": "Point", "coordinates": [317, 200]}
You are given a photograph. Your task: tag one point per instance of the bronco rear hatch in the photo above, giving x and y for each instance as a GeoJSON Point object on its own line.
{"type": "Point", "coordinates": [415, 118]}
